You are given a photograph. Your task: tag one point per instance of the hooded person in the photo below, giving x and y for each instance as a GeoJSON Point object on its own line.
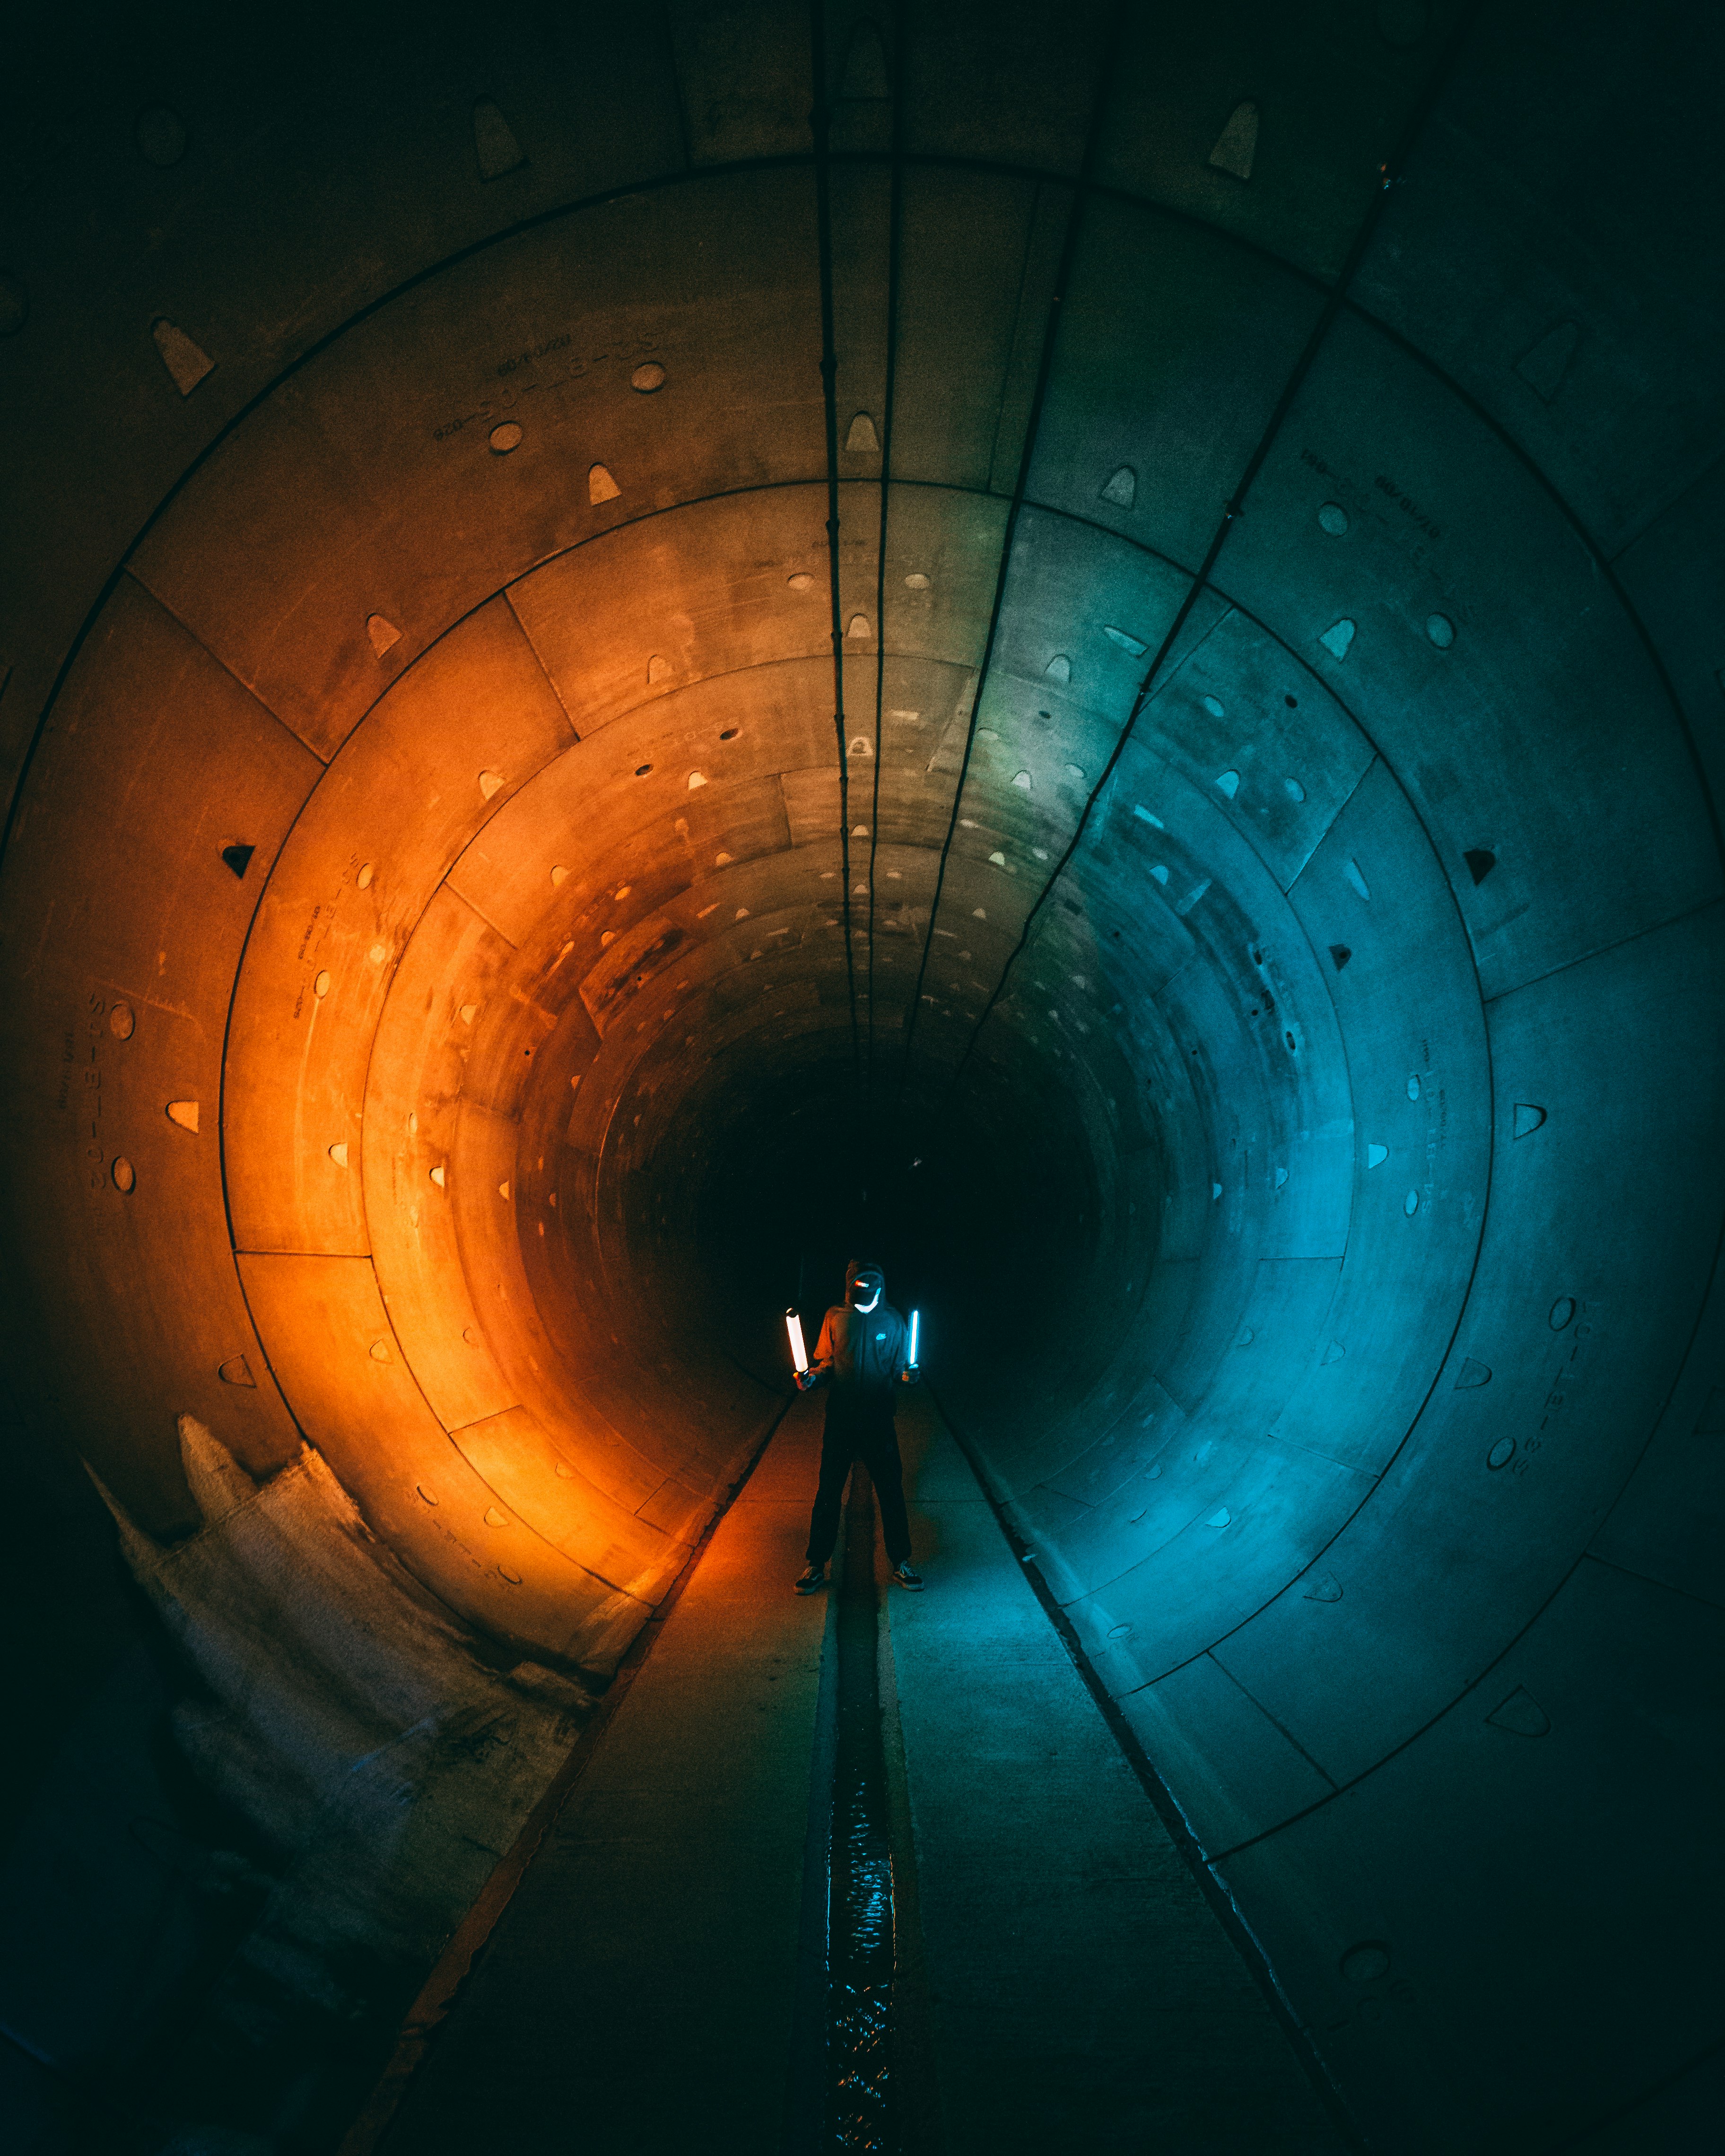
{"type": "Point", "coordinates": [862, 1359]}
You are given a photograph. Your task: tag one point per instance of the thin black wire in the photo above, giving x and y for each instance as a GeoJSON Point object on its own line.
{"type": "Point", "coordinates": [630, 191]}
{"type": "Point", "coordinates": [819, 120]}
{"type": "Point", "coordinates": [1068, 251]}
{"type": "Point", "coordinates": [895, 216]}
{"type": "Point", "coordinates": [639, 188]}
{"type": "Point", "coordinates": [1389, 173]}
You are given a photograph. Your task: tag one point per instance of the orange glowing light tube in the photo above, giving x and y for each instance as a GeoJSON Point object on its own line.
{"type": "Point", "coordinates": [799, 1353]}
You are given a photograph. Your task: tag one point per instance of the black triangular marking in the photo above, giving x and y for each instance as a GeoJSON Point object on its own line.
{"type": "Point", "coordinates": [1480, 863]}
{"type": "Point", "coordinates": [239, 858]}
{"type": "Point", "coordinates": [1341, 953]}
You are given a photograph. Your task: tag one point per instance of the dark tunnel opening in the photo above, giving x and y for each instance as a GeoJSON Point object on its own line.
{"type": "Point", "coordinates": [996, 1231]}
{"type": "Point", "coordinates": [640, 655]}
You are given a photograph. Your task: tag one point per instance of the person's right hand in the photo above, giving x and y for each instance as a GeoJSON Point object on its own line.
{"type": "Point", "coordinates": [804, 1378]}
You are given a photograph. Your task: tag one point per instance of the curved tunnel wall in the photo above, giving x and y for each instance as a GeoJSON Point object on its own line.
{"type": "Point", "coordinates": [1378, 1006]}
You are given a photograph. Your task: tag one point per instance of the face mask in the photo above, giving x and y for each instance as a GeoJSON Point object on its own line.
{"type": "Point", "coordinates": [864, 1294]}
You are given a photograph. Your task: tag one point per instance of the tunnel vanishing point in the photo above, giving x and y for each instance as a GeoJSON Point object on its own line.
{"type": "Point", "coordinates": [644, 647]}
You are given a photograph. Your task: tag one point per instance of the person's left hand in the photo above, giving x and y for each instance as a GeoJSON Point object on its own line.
{"type": "Point", "coordinates": [909, 1375]}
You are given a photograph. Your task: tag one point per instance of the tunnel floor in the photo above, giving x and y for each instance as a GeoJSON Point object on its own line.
{"type": "Point", "coordinates": [656, 1982]}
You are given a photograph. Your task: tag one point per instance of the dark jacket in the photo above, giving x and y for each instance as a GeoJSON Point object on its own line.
{"type": "Point", "coordinates": [861, 1355]}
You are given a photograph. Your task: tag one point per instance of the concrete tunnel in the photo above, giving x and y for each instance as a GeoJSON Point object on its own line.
{"type": "Point", "coordinates": [642, 647]}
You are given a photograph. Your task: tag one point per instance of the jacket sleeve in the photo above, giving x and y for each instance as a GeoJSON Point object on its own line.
{"type": "Point", "coordinates": [821, 1362]}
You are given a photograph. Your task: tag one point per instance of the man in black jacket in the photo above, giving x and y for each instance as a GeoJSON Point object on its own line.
{"type": "Point", "coordinates": [861, 1354]}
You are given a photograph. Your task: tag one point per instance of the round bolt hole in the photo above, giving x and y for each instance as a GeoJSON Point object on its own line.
{"type": "Point", "coordinates": [124, 1174]}
{"type": "Point", "coordinates": [1501, 1453]}
{"type": "Point", "coordinates": [504, 438]}
{"type": "Point", "coordinates": [647, 377]}
{"type": "Point", "coordinates": [1440, 629]}
{"type": "Point", "coordinates": [1292, 702]}
{"type": "Point", "coordinates": [1562, 1312]}
{"type": "Point", "coordinates": [729, 733]}
{"type": "Point", "coordinates": [1334, 517]}
{"type": "Point", "coordinates": [1367, 1962]}
{"type": "Point", "coordinates": [642, 769]}
{"type": "Point", "coordinates": [121, 1022]}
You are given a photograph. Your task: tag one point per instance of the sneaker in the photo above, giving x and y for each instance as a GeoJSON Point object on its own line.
{"type": "Point", "coordinates": [812, 1580]}
{"type": "Point", "coordinates": [902, 1576]}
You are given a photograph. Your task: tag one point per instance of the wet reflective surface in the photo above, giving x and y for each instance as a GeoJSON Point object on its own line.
{"type": "Point", "coordinates": [860, 2096]}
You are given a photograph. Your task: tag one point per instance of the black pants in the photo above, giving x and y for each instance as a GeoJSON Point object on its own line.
{"type": "Point", "coordinates": [872, 1439]}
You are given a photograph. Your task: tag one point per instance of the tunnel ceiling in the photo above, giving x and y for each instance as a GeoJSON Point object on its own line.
{"type": "Point", "coordinates": [1247, 532]}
